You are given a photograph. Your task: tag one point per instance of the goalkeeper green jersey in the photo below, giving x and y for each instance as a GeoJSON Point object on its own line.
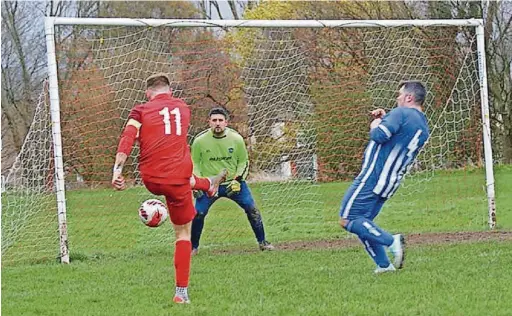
{"type": "Point", "coordinates": [212, 154]}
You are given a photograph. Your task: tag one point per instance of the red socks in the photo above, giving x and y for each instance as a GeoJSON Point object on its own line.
{"type": "Point", "coordinates": [182, 256]}
{"type": "Point", "coordinates": [202, 184]}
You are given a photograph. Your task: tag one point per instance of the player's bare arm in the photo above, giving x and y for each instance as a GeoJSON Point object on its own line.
{"type": "Point", "coordinates": [126, 142]}
{"type": "Point", "coordinates": [117, 178]}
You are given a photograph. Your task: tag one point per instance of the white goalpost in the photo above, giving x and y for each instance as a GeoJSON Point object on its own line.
{"type": "Point", "coordinates": [298, 91]}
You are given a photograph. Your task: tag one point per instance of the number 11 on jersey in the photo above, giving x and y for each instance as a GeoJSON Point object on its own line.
{"type": "Point", "coordinates": [167, 120]}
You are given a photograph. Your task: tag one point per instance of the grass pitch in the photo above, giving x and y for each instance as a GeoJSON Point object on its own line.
{"type": "Point", "coordinates": [460, 279]}
{"type": "Point", "coordinates": [133, 275]}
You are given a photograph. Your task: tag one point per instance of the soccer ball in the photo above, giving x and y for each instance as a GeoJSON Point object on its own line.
{"type": "Point", "coordinates": [153, 213]}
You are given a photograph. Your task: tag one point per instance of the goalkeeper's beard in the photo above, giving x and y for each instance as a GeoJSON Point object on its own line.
{"type": "Point", "coordinates": [218, 131]}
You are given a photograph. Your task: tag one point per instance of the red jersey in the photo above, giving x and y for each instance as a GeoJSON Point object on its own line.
{"type": "Point", "coordinates": [164, 152]}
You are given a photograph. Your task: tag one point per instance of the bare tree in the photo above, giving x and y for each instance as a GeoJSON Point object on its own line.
{"type": "Point", "coordinates": [205, 7]}
{"type": "Point", "coordinates": [498, 20]}
{"type": "Point", "coordinates": [23, 64]}
{"type": "Point", "coordinates": [232, 7]}
{"type": "Point", "coordinates": [236, 8]}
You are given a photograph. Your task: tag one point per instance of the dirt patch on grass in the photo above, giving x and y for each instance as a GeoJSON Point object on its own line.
{"type": "Point", "coordinates": [411, 240]}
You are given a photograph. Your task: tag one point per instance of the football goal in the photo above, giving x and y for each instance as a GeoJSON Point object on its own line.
{"type": "Point", "coordinates": [300, 92]}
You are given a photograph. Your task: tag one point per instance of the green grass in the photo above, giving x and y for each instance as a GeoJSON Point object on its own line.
{"type": "Point", "coordinates": [120, 267]}
{"type": "Point", "coordinates": [468, 279]}
{"type": "Point", "coordinates": [103, 222]}
{"type": "Point", "coordinates": [34, 213]}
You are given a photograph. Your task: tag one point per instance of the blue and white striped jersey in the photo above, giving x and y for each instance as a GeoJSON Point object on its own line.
{"type": "Point", "coordinates": [393, 147]}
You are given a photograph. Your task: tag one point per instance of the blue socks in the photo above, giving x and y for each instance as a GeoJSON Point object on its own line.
{"type": "Point", "coordinates": [373, 238]}
{"type": "Point", "coordinates": [377, 252]}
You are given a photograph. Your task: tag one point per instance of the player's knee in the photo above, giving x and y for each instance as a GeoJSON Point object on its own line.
{"type": "Point", "coordinates": [183, 232]}
{"type": "Point", "coordinates": [253, 213]}
{"type": "Point", "coordinates": [251, 210]}
{"type": "Point", "coordinates": [183, 237]}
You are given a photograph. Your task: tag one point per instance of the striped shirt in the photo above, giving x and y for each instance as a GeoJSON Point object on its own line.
{"type": "Point", "coordinates": [393, 147]}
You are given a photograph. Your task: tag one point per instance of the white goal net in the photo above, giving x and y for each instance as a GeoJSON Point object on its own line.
{"type": "Point", "coordinates": [301, 98]}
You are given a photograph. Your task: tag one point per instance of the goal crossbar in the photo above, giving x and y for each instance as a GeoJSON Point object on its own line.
{"type": "Point", "coordinates": [262, 23]}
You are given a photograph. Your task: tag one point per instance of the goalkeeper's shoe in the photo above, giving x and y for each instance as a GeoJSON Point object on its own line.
{"type": "Point", "coordinates": [390, 268]}
{"type": "Point", "coordinates": [265, 245]}
{"type": "Point", "coordinates": [181, 299]}
{"type": "Point", "coordinates": [397, 249]}
{"type": "Point", "coordinates": [195, 251]}
{"type": "Point", "coordinates": [215, 182]}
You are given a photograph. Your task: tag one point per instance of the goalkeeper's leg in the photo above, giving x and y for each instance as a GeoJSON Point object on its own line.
{"type": "Point", "coordinates": [203, 204]}
{"type": "Point", "coordinates": [245, 200]}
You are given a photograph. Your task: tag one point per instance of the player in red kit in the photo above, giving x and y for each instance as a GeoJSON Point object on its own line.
{"type": "Point", "coordinates": [161, 126]}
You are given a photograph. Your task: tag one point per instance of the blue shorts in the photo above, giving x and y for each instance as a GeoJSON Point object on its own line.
{"type": "Point", "coordinates": [360, 201]}
{"type": "Point", "coordinates": [243, 199]}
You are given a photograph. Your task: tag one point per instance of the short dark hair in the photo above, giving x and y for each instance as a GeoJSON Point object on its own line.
{"type": "Point", "coordinates": [158, 80]}
{"type": "Point", "coordinates": [219, 110]}
{"type": "Point", "coordinates": [416, 88]}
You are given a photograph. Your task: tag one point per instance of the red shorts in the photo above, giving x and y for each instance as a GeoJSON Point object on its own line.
{"type": "Point", "coordinates": [178, 198]}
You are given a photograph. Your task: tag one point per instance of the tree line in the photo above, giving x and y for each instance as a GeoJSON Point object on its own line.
{"type": "Point", "coordinates": [24, 69]}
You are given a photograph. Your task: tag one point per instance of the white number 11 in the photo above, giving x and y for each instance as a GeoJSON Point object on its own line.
{"type": "Point", "coordinates": [167, 120]}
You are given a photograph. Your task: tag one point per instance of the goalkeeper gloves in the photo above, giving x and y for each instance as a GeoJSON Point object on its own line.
{"type": "Point", "coordinates": [233, 188]}
{"type": "Point", "coordinates": [197, 193]}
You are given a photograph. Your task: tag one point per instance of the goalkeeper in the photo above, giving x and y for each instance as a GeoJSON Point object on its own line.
{"type": "Point", "coordinates": [213, 150]}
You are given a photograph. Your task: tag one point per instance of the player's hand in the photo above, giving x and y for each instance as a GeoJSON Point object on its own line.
{"type": "Point", "coordinates": [378, 113]}
{"type": "Point", "coordinates": [118, 182]}
{"type": "Point", "coordinates": [233, 187]}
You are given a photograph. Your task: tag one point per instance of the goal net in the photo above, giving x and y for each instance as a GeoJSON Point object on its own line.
{"type": "Point", "coordinates": [301, 98]}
